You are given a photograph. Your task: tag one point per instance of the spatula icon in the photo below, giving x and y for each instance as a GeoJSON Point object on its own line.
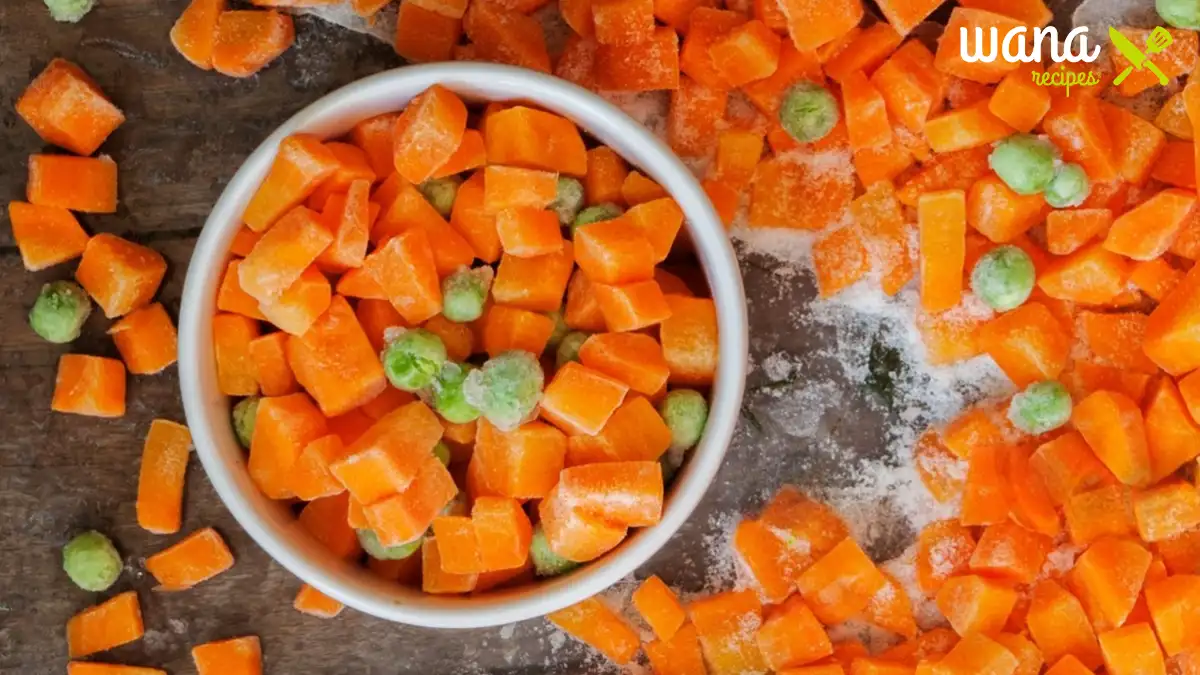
{"type": "Point", "coordinates": [1158, 40]}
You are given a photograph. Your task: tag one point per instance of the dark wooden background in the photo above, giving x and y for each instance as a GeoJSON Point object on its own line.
{"type": "Point", "coordinates": [187, 132]}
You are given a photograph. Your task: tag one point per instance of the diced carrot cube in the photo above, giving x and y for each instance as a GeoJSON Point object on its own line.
{"type": "Point", "coordinates": [841, 583]}
{"type": "Point", "coordinates": [1069, 229]}
{"type": "Point", "coordinates": [283, 254]}
{"type": "Point", "coordinates": [535, 139]}
{"type": "Point", "coordinates": [409, 210]}
{"type": "Point", "coordinates": [1172, 118]}
{"type": "Point", "coordinates": [301, 304]}
{"type": "Point", "coordinates": [622, 22]}
{"type": "Point", "coordinates": [503, 533]}
{"type": "Point", "coordinates": [866, 113]}
{"type": "Point", "coordinates": [941, 471]}
{"type": "Point", "coordinates": [679, 655]}
{"type": "Point", "coordinates": [390, 455]}
{"type": "Point", "coordinates": [1010, 552]}
{"type": "Point", "coordinates": [942, 221]}
{"type": "Point", "coordinates": [1136, 142]}
{"type": "Point", "coordinates": [1018, 101]}
{"type": "Point", "coordinates": [582, 311]}
{"type": "Point", "coordinates": [504, 36]}
{"type": "Point", "coordinates": [471, 154]}
{"type": "Point", "coordinates": [403, 517]}
{"type": "Point", "coordinates": [146, 339]}
{"type": "Point", "coordinates": [404, 268]}
{"type": "Point", "coordinates": [634, 432]}
{"type": "Point", "coordinates": [614, 252]}
{"type": "Point", "coordinates": [592, 622]}
{"type": "Point", "coordinates": [635, 359]}
{"type": "Point", "coordinates": [1167, 510]}
{"type": "Point", "coordinates": [794, 66]}
{"type": "Point", "coordinates": [529, 232]}
{"type": "Point", "coordinates": [112, 623]}
{"type": "Point", "coordinates": [374, 137]}
{"type": "Point", "coordinates": [435, 579]}
{"type": "Point", "coordinates": [792, 637]}
{"type": "Point", "coordinates": [689, 340]}
{"type": "Point", "coordinates": [972, 23]}
{"type": "Point", "coordinates": [283, 427]}
{"type": "Point", "coordinates": [625, 493]}
{"type": "Point", "coordinates": [950, 337]}
{"type": "Point", "coordinates": [358, 283]}
{"type": "Point", "coordinates": [246, 41]}
{"type": "Point", "coordinates": [523, 463]}
{"type": "Point", "coordinates": [428, 132]}
{"type": "Point", "coordinates": [237, 374]}
{"type": "Point", "coordinates": [809, 528]}
{"type": "Point", "coordinates": [349, 217]}
{"type": "Point", "coordinates": [948, 171]}
{"type": "Point", "coordinates": [909, 84]}
{"type": "Point", "coordinates": [1030, 503]}
{"type": "Point", "coordinates": [87, 668]}
{"type": "Point", "coordinates": [891, 609]}
{"type": "Point", "coordinates": [812, 23]}
{"type": "Point", "coordinates": [1176, 165]}
{"type": "Point", "coordinates": [1085, 378]}
{"type": "Point", "coordinates": [274, 374]}
{"type": "Point", "coordinates": [647, 66]}
{"type": "Point", "coordinates": [659, 607]}
{"type": "Point", "coordinates": [1104, 511]}
{"type": "Point", "coordinates": [1076, 125]}
{"type": "Point", "coordinates": [580, 400]}
{"type": "Point", "coordinates": [473, 222]}
{"type": "Point", "coordinates": [727, 624]}
{"type": "Point", "coordinates": [1132, 650]}
{"type": "Point", "coordinates": [1155, 278]}
{"type": "Point", "coordinates": [745, 54]}
{"type": "Point", "coordinates": [767, 558]}
{"type": "Point", "coordinates": [976, 653]}
{"type": "Point", "coordinates": [87, 184]}
{"type": "Point", "coordinates": [659, 220]}
{"type": "Point", "coordinates": [457, 544]}
{"type": "Point", "coordinates": [1115, 339]}
{"type": "Point", "coordinates": [508, 328]}
{"type": "Point", "coordinates": [840, 260]}
{"type": "Point", "coordinates": [576, 63]}
{"type": "Point", "coordinates": [352, 165]}
{"type": "Point", "coordinates": [1091, 275]}
{"type": "Point", "coordinates": [161, 477]}
{"type": "Point", "coordinates": [1169, 329]}
{"type": "Point", "coordinates": [1173, 606]}
{"type": "Point", "coordinates": [695, 114]}
{"type": "Point", "coordinates": [638, 189]}
{"type": "Point", "coordinates": [45, 235]}
{"type": "Point", "coordinates": [1113, 427]}
{"type": "Point", "coordinates": [965, 128]}
{"type": "Point", "coordinates": [973, 428]}
{"type": "Point", "coordinates": [573, 534]}
{"type": "Point", "coordinates": [507, 187]}
{"type": "Point", "coordinates": [1028, 344]}
{"type": "Point", "coordinates": [315, 603]}
{"type": "Point", "coordinates": [301, 165]}
{"type": "Point", "coordinates": [1146, 231]}
{"type": "Point", "coordinates": [424, 36]}
{"type": "Point", "coordinates": [633, 306]}
{"type": "Point", "coordinates": [335, 362]}
{"type": "Point", "coordinates": [66, 108]}
{"type": "Point", "coordinates": [974, 604]}
{"type": "Point", "coordinates": [1172, 435]}
{"type": "Point", "coordinates": [944, 549]}
{"type": "Point", "coordinates": [310, 475]}
{"type": "Point", "coordinates": [1000, 214]}
{"type": "Point", "coordinates": [865, 52]}
{"type": "Point", "coordinates": [199, 557]}
{"type": "Point", "coordinates": [534, 283]}
{"type": "Point", "coordinates": [606, 172]}
{"type": "Point", "coordinates": [121, 276]}
{"type": "Point", "coordinates": [1108, 578]}
{"type": "Point", "coordinates": [238, 656]}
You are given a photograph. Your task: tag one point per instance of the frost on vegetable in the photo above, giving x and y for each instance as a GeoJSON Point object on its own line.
{"type": "Point", "coordinates": [59, 311]}
{"type": "Point", "coordinates": [507, 389]}
{"type": "Point", "coordinates": [244, 414]}
{"type": "Point", "coordinates": [568, 201]}
{"type": "Point", "coordinates": [92, 561]}
{"type": "Point", "coordinates": [1180, 13]}
{"type": "Point", "coordinates": [1069, 187]}
{"type": "Point", "coordinates": [595, 214]}
{"type": "Point", "coordinates": [448, 398]}
{"type": "Point", "coordinates": [809, 112]}
{"type": "Point", "coordinates": [686, 412]}
{"type": "Point", "coordinates": [441, 193]}
{"type": "Point", "coordinates": [568, 348]}
{"type": "Point", "coordinates": [464, 293]}
{"type": "Point", "coordinates": [370, 543]}
{"type": "Point", "coordinates": [1024, 162]}
{"type": "Point", "coordinates": [413, 358]}
{"type": "Point", "coordinates": [546, 562]}
{"type": "Point", "coordinates": [69, 11]}
{"type": "Point", "coordinates": [1003, 278]}
{"type": "Point", "coordinates": [1042, 407]}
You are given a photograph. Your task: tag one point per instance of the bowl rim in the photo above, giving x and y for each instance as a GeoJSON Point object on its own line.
{"type": "Point", "coordinates": [271, 525]}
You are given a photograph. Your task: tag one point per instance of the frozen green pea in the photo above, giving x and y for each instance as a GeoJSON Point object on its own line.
{"type": "Point", "coordinates": [59, 311]}
{"type": "Point", "coordinates": [507, 389]}
{"type": "Point", "coordinates": [244, 414]}
{"type": "Point", "coordinates": [1069, 187]}
{"type": "Point", "coordinates": [1024, 162]}
{"type": "Point", "coordinates": [464, 293]}
{"type": "Point", "coordinates": [440, 193]}
{"type": "Point", "coordinates": [809, 112]}
{"type": "Point", "coordinates": [413, 359]}
{"type": "Point", "coordinates": [686, 412]}
{"type": "Point", "coordinates": [546, 562]}
{"type": "Point", "coordinates": [92, 561]}
{"type": "Point", "coordinates": [595, 214]}
{"type": "Point", "coordinates": [1180, 13]}
{"type": "Point", "coordinates": [568, 348]}
{"type": "Point", "coordinates": [442, 452]}
{"type": "Point", "coordinates": [1042, 407]}
{"type": "Point", "coordinates": [448, 398]}
{"type": "Point", "coordinates": [370, 543]}
{"type": "Point", "coordinates": [69, 11]}
{"type": "Point", "coordinates": [568, 200]}
{"type": "Point", "coordinates": [560, 329]}
{"type": "Point", "coordinates": [1003, 278]}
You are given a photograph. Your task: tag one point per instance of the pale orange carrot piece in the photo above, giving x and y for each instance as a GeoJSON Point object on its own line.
{"type": "Point", "coordinates": [112, 623]}
{"type": "Point", "coordinates": [315, 603]}
{"type": "Point", "coordinates": [120, 275]}
{"type": "Point", "coordinates": [199, 557]}
{"type": "Point", "coordinates": [247, 41]}
{"type": "Point", "coordinates": [428, 132]}
{"type": "Point", "coordinates": [66, 107]}
{"type": "Point", "coordinates": [146, 340]}
{"type": "Point", "coordinates": [45, 235]}
{"type": "Point", "coordinates": [236, 373]}
{"type": "Point", "coordinates": [89, 385]}
{"type": "Point", "coordinates": [301, 164]}
{"type": "Point", "coordinates": [275, 376]}
{"type": "Point", "coordinates": [161, 477]}
{"type": "Point", "coordinates": [942, 220]}
{"type": "Point", "coordinates": [238, 656]}
{"type": "Point", "coordinates": [87, 184]}
{"type": "Point", "coordinates": [195, 31]}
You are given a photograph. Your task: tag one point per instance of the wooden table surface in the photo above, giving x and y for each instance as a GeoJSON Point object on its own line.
{"type": "Point", "coordinates": [187, 132]}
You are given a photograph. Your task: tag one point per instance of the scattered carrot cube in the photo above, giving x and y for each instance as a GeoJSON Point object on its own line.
{"type": "Point", "coordinates": [944, 549]}
{"type": "Point", "coordinates": [1169, 329]}
{"type": "Point", "coordinates": [841, 583]}
{"type": "Point", "coordinates": [523, 463]}
{"type": "Point", "coordinates": [812, 23]}
{"type": "Point", "coordinates": [622, 22]}
{"type": "Point", "coordinates": [45, 235]}
{"type": "Point", "coordinates": [592, 622]}
{"type": "Point", "coordinates": [1146, 231]}
{"type": "Point", "coordinates": [726, 624]}
{"type": "Point", "coordinates": [315, 603]}
{"type": "Point", "coordinates": [614, 252]}
{"type": "Point", "coordinates": [679, 655]}
{"type": "Point", "coordinates": [87, 184]}
{"type": "Point", "coordinates": [89, 385]}
{"type": "Point", "coordinates": [1069, 229]}
{"type": "Point", "coordinates": [199, 557]}
{"type": "Point", "coordinates": [504, 36]}
{"type": "Point", "coordinates": [1076, 125]}
{"type": "Point", "coordinates": [239, 656]}
{"type": "Point", "coordinates": [1009, 551]}
{"type": "Point", "coordinates": [646, 66]}
{"type": "Point", "coordinates": [695, 114]}
{"type": "Point", "coordinates": [457, 545]}
{"type": "Point", "coordinates": [1166, 510]}
{"type": "Point", "coordinates": [301, 164]}
{"type": "Point", "coordinates": [247, 41]}
{"type": "Point", "coordinates": [1108, 578]}
{"type": "Point", "coordinates": [659, 607]}
{"type": "Point", "coordinates": [310, 477]}
{"type": "Point", "coordinates": [146, 339]}
{"type": "Point", "coordinates": [942, 221]}
{"type": "Point", "coordinates": [112, 623]}
{"type": "Point", "coordinates": [791, 636]}
{"type": "Point", "coordinates": [745, 54]}
{"type": "Point", "coordinates": [509, 328]}
{"type": "Point", "coordinates": [535, 139]}
{"type": "Point", "coordinates": [1113, 427]}
{"type": "Point", "coordinates": [1132, 650]}
{"type": "Point", "coordinates": [428, 132]}
{"type": "Point", "coordinates": [503, 533]}
{"type": "Point", "coordinates": [629, 307]}
{"type": "Point", "coordinates": [66, 108]}
{"type": "Point", "coordinates": [1028, 344]}
{"type": "Point", "coordinates": [403, 517]}
{"type": "Point", "coordinates": [580, 400]}
{"type": "Point", "coordinates": [424, 36]}
{"type": "Point", "coordinates": [1104, 511]}
{"type": "Point", "coordinates": [335, 362]}
{"type": "Point", "coordinates": [161, 477]}
{"type": "Point", "coordinates": [283, 427]}
{"type": "Point", "coordinates": [405, 269]}
{"type": "Point", "coordinates": [1172, 435]}
{"type": "Point", "coordinates": [976, 653]}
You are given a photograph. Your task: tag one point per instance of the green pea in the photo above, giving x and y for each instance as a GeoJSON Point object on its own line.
{"type": "Point", "coordinates": [568, 201]}
{"type": "Point", "coordinates": [596, 214]}
{"type": "Point", "coordinates": [1043, 406]}
{"type": "Point", "coordinates": [1069, 187]}
{"type": "Point", "coordinates": [465, 292]}
{"type": "Point", "coordinates": [809, 112]}
{"type": "Point", "coordinates": [568, 348]}
{"type": "Point", "coordinates": [244, 415]}
{"type": "Point", "coordinates": [442, 452]}
{"type": "Point", "coordinates": [92, 561]}
{"type": "Point", "coordinates": [370, 543]}
{"type": "Point", "coordinates": [507, 389]}
{"type": "Point", "coordinates": [1024, 162]}
{"type": "Point", "coordinates": [458, 506]}
{"type": "Point", "coordinates": [547, 563]}
{"type": "Point", "coordinates": [1180, 13]}
{"type": "Point", "coordinates": [441, 193]}
{"type": "Point", "coordinates": [1003, 278]}
{"type": "Point", "coordinates": [560, 329]}
{"type": "Point", "coordinates": [69, 11]}
{"type": "Point", "coordinates": [686, 412]}
{"type": "Point", "coordinates": [449, 401]}
{"type": "Point", "coordinates": [59, 311]}
{"type": "Point", "coordinates": [413, 359]}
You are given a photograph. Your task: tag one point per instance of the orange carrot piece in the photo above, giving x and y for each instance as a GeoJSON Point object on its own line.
{"type": "Point", "coordinates": [1136, 142]}
{"type": "Point", "coordinates": [1030, 502]}
{"type": "Point", "coordinates": [1115, 339]}
{"type": "Point", "coordinates": [794, 66]}
{"type": "Point", "coordinates": [647, 66]}
{"type": "Point", "coordinates": [791, 637]}
{"type": "Point", "coordinates": [87, 184]}
{"type": "Point", "coordinates": [1028, 344]}
{"type": "Point", "coordinates": [638, 189]}
{"type": "Point", "coordinates": [238, 656]}
{"type": "Point", "coordinates": [912, 89]}
{"type": "Point", "coordinates": [1069, 229]}
{"type": "Point", "coordinates": [284, 426]}
{"type": "Point", "coordinates": [812, 23]}
{"type": "Point", "coordinates": [690, 341]}
{"type": "Point", "coordinates": [614, 252]}
{"type": "Point", "coordinates": [457, 545]}
{"type": "Point", "coordinates": [199, 557]}
{"type": "Point", "coordinates": [592, 622]}
{"type": "Point", "coordinates": [1146, 231]}
{"type": "Point", "coordinates": [528, 232]}
{"type": "Point", "coordinates": [428, 132]}
{"type": "Point", "coordinates": [634, 306]}
{"type": "Point", "coordinates": [1172, 605]}
{"type": "Point", "coordinates": [403, 517]}
{"type": "Point", "coordinates": [974, 604]}
{"type": "Point", "coordinates": [1076, 125]}
{"type": "Point", "coordinates": [409, 210]}
{"type": "Point", "coordinates": [502, 531]}
{"type": "Point", "coordinates": [1176, 165]}
{"type": "Point", "coordinates": [326, 520]}
{"type": "Point", "coordinates": [1113, 426]}
{"type": "Point", "coordinates": [891, 609]}
{"type": "Point", "coordinates": [121, 276]}
{"type": "Point", "coordinates": [738, 153]}
{"type": "Point", "coordinates": [767, 559]}
{"type": "Point", "coordinates": [301, 304]}
{"type": "Point", "coordinates": [976, 653]}
{"type": "Point", "coordinates": [45, 235]}
{"type": "Point", "coordinates": [634, 432]}
{"type": "Point", "coordinates": [377, 466]}
{"type": "Point", "coordinates": [89, 385]}
{"type": "Point", "coordinates": [1132, 649]}
{"type": "Point", "coordinates": [349, 217]}
{"type": "Point", "coordinates": [274, 374]}
{"type": "Point", "coordinates": [840, 584]}
{"type": "Point", "coordinates": [965, 21]}
{"type": "Point", "coordinates": [965, 128]}
{"type": "Point", "coordinates": [1168, 342]}
{"type": "Point", "coordinates": [866, 113]}
{"type": "Point", "coordinates": [335, 362]}
{"type": "Point", "coordinates": [535, 139]}
{"type": "Point", "coordinates": [696, 112]}
{"type": "Point", "coordinates": [865, 52]}
{"type": "Point", "coordinates": [942, 221]}
{"type": "Point", "coordinates": [315, 603]}
{"type": "Point", "coordinates": [146, 339]}
{"type": "Point", "coordinates": [840, 260]}
{"type": "Point", "coordinates": [1104, 511]}
{"type": "Point", "coordinates": [659, 607]}
{"type": "Point", "coordinates": [1008, 551]}
{"type": "Point", "coordinates": [473, 222]}
{"type": "Point", "coordinates": [534, 283]}
{"type": "Point", "coordinates": [1018, 101]}
{"type": "Point", "coordinates": [522, 464]}
{"type": "Point", "coordinates": [622, 22]}
{"type": "Point", "coordinates": [112, 623]}
{"type": "Point", "coordinates": [310, 477]}
{"type": "Point", "coordinates": [680, 655]}
{"type": "Point", "coordinates": [247, 41]}
{"type": "Point", "coordinates": [1091, 275]}
{"type": "Point", "coordinates": [471, 154]}
{"type": "Point", "coordinates": [1059, 626]}
{"type": "Point", "coordinates": [1166, 510]}
{"type": "Point", "coordinates": [949, 337]}
{"type": "Point", "coordinates": [576, 535]}
{"type": "Point", "coordinates": [435, 579]}
{"type": "Point", "coordinates": [941, 471]}
{"type": "Point", "coordinates": [1172, 434]}
{"type": "Point", "coordinates": [582, 311]}
{"type": "Point", "coordinates": [954, 170]}
{"type": "Point", "coordinates": [283, 254]}
{"type": "Point", "coordinates": [508, 187]}
{"type": "Point", "coordinates": [621, 493]}
{"type": "Point", "coordinates": [507, 328]}
{"type": "Point", "coordinates": [985, 499]}
{"type": "Point", "coordinates": [404, 268]}
{"type": "Point", "coordinates": [231, 297]}
{"type": "Point", "coordinates": [504, 36]}
{"type": "Point", "coordinates": [301, 165]}
{"type": "Point", "coordinates": [237, 374]}
{"type": "Point", "coordinates": [66, 108]}
{"type": "Point", "coordinates": [424, 36]}
{"type": "Point", "coordinates": [727, 624]}
{"type": "Point", "coordinates": [580, 400]}
{"type": "Point", "coordinates": [637, 360]}
{"type": "Point", "coordinates": [748, 53]}
{"type": "Point", "coordinates": [1156, 278]}
{"type": "Point", "coordinates": [606, 172]}
{"type": "Point", "coordinates": [1000, 214]}
{"type": "Point", "coordinates": [904, 15]}
{"type": "Point", "coordinates": [659, 221]}
{"type": "Point", "coordinates": [374, 137]}
{"type": "Point", "coordinates": [352, 165]}
{"type": "Point", "coordinates": [161, 477]}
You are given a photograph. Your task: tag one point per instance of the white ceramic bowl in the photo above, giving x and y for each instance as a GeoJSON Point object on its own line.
{"type": "Point", "coordinates": [272, 524]}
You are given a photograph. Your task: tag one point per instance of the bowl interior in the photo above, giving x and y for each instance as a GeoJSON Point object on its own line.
{"type": "Point", "coordinates": [273, 525]}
